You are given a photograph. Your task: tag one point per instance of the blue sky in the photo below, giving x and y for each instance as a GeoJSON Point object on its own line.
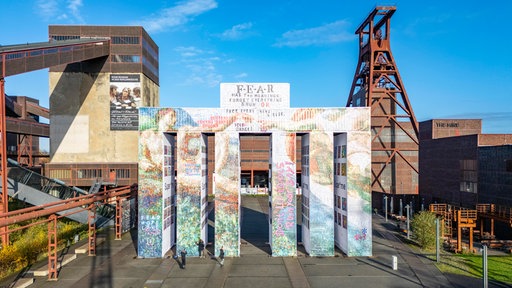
{"type": "Point", "coordinates": [452, 56]}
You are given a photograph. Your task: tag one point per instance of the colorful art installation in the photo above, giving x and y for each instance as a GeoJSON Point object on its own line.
{"type": "Point", "coordinates": [283, 124]}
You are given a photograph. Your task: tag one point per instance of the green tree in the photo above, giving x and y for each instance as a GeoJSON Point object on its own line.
{"type": "Point", "coordinates": [423, 226]}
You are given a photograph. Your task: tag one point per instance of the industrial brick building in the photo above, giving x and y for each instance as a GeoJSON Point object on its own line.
{"type": "Point", "coordinates": [94, 132]}
{"type": "Point", "coordinates": [460, 166]}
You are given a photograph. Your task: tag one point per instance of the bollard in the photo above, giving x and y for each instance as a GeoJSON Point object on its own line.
{"type": "Point", "coordinates": [394, 262]}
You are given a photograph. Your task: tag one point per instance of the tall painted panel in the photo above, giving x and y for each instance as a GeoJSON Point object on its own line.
{"type": "Point", "coordinates": [283, 187]}
{"type": "Point", "coordinates": [189, 194]}
{"type": "Point", "coordinates": [340, 192]}
{"type": "Point", "coordinates": [321, 221]}
{"type": "Point", "coordinates": [305, 193]}
{"type": "Point", "coordinates": [169, 193]}
{"type": "Point", "coordinates": [150, 195]}
{"type": "Point", "coordinates": [359, 194]}
{"type": "Point", "coordinates": [204, 188]}
{"type": "Point", "coordinates": [227, 196]}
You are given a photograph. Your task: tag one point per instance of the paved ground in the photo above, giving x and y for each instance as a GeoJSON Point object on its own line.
{"type": "Point", "coordinates": [116, 265]}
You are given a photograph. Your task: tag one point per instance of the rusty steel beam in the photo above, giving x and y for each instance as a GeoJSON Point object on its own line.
{"type": "Point", "coordinates": [4, 200]}
{"type": "Point", "coordinates": [92, 229]}
{"type": "Point", "coordinates": [21, 215]}
{"type": "Point", "coordinates": [35, 109]}
{"type": "Point", "coordinates": [119, 219]}
{"type": "Point", "coordinates": [52, 248]}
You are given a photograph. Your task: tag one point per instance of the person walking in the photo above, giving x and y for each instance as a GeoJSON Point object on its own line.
{"type": "Point", "coordinates": [200, 247]}
{"type": "Point", "coordinates": [221, 256]}
{"type": "Point", "coordinates": [183, 255]}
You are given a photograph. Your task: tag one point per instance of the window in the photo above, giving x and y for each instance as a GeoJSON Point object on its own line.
{"type": "Point", "coordinates": [125, 40]}
{"type": "Point", "coordinates": [126, 58]}
{"type": "Point", "coordinates": [469, 178]}
{"type": "Point", "coordinates": [65, 37]}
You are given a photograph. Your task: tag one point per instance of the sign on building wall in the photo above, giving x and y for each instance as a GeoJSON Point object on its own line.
{"type": "Point", "coordinates": [125, 99]}
{"type": "Point", "coordinates": [255, 95]}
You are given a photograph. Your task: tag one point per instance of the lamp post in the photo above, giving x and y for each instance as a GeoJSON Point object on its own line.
{"type": "Point", "coordinates": [386, 207]}
{"type": "Point", "coordinates": [407, 207]}
{"type": "Point", "coordinates": [484, 267]}
{"type": "Point", "coordinates": [437, 240]}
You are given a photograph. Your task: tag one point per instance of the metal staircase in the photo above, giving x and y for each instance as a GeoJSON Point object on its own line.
{"type": "Point", "coordinates": [36, 189]}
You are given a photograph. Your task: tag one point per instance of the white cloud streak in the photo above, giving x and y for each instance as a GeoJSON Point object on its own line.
{"type": "Point", "coordinates": [60, 10]}
{"type": "Point", "coordinates": [177, 15]}
{"type": "Point", "coordinates": [317, 36]}
{"type": "Point", "coordinates": [74, 7]}
{"type": "Point", "coordinates": [201, 66]}
{"type": "Point", "coordinates": [237, 32]}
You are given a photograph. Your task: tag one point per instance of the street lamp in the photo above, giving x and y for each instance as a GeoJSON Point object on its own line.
{"type": "Point", "coordinates": [386, 207]}
{"type": "Point", "coordinates": [407, 207]}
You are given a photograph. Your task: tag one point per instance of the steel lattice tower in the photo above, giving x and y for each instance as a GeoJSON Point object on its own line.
{"type": "Point", "coordinates": [377, 84]}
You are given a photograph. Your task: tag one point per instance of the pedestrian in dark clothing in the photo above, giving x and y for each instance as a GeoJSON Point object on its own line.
{"type": "Point", "coordinates": [221, 256]}
{"type": "Point", "coordinates": [200, 248]}
{"type": "Point", "coordinates": [183, 255]}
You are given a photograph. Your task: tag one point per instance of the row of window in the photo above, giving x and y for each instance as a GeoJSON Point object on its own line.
{"type": "Point", "coordinates": [88, 173]}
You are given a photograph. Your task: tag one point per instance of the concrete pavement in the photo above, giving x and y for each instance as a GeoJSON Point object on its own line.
{"type": "Point", "coordinates": [116, 264]}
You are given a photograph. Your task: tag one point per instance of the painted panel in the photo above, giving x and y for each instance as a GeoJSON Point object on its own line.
{"type": "Point", "coordinates": [321, 221]}
{"type": "Point", "coordinates": [284, 231]}
{"type": "Point", "coordinates": [305, 193]}
{"type": "Point", "coordinates": [255, 120]}
{"type": "Point", "coordinates": [340, 192]}
{"type": "Point", "coordinates": [188, 228]}
{"type": "Point", "coordinates": [359, 194]}
{"type": "Point", "coordinates": [168, 192]}
{"type": "Point", "coordinates": [150, 194]}
{"type": "Point", "coordinates": [227, 196]}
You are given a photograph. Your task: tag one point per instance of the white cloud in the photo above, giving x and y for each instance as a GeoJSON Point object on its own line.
{"type": "Point", "coordinates": [74, 7]}
{"type": "Point", "coordinates": [236, 32]}
{"type": "Point", "coordinates": [241, 75]}
{"type": "Point", "coordinates": [60, 10]}
{"type": "Point", "coordinates": [177, 15]}
{"type": "Point", "coordinates": [200, 66]}
{"type": "Point", "coordinates": [327, 34]}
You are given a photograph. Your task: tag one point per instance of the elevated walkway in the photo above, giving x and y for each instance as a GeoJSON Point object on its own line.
{"type": "Point", "coordinates": [35, 189]}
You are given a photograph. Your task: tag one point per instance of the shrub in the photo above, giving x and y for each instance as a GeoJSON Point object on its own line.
{"type": "Point", "coordinates": [423, 226]}
{"type": "Point", "coordinates": [31, 244]}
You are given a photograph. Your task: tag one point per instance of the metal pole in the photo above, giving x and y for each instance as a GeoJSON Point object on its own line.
{"type": "Point", "coordinates": [437, 240]}
{"type": "Point", "coordinates": [401, 213]}
{"type": "Point", "coordinates": [386, 207]}
{"type": "Point", "coordinates": [407, 211]}
{"type": "Point", "coordinates": [484, 267]}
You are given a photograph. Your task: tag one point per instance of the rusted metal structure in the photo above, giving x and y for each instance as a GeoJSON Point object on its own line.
{"type": "Point", "coordinates": [17, 59]}
{"type": "Point", "coordinates": [377, 84]}
{"type": "Point", "coordinates": [461, 218]}
{"type": "Point", "coordinates": [90, 201]}
{"type": "Point", "coordinates": [493, 212]}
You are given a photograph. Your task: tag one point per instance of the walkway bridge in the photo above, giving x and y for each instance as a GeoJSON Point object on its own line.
{"type": "Point", "coordinates": [22, 58]}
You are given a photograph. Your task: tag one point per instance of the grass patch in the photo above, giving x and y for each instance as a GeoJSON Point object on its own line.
{"type": "Point", "coordinates": [471, 265]}
{"type": "Point", "coordinates": [466, 264]}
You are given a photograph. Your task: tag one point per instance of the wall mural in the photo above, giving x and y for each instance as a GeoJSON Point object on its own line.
{"type": "Point", "coordinates": [189, 123]}
{"type": "Point", "coordinates": [227, 196]}
{"type": "Point", "coordinates": [321, 186]}
{"type": "Point", "coordinates": [284, 231]}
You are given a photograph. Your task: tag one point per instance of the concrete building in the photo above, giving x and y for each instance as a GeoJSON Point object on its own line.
{"type": "Point", "coordinates": [94, 106]}
{"type": "Point", "coordinates": [461, 166]}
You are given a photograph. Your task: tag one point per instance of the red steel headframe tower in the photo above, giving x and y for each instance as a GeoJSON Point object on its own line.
{"type": "Point", "coordinates": [377, 84]}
